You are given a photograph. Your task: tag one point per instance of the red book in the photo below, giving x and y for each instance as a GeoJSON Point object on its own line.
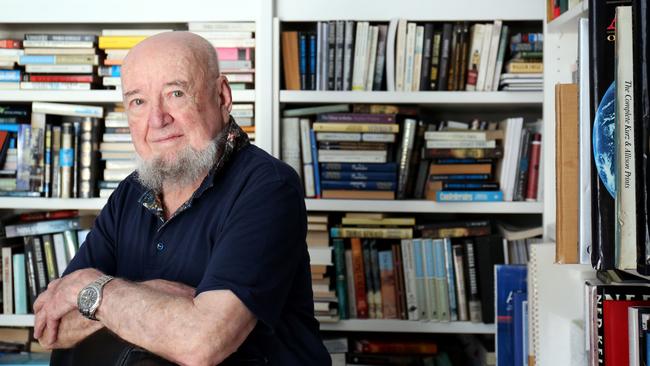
{"type": "Point", "coordinates": [616, 339]}
{"type": "Point", "coordinates": [396, 347]}
{"type": "Point", "coordinates": [48, 215]}
{"type": "Point", "coordinates": [533, 170]}
{"type": "Point", "coordinates": [359, 278]}
{"type": "Point", "coordinates": [59, 78]}
{"type": "Point", "coordinates": [11, 43]}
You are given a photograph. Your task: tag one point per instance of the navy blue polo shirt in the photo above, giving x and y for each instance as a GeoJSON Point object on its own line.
{"type": "Point", "coordinates": [243, 230]}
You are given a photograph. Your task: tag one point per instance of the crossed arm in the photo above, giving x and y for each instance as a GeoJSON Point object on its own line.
{"type": "Point", "coordinates": [160, 316]}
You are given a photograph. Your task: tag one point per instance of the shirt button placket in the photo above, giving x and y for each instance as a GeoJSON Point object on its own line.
{"type": "Point", "coordinates": [160, 246]}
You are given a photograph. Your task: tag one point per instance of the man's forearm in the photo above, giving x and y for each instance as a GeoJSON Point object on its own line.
{"type": "Point", "coordinates": [172, 326]}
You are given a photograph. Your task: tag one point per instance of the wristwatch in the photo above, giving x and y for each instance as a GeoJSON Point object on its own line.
{"type": "Point", "coordinates": [90, 297]}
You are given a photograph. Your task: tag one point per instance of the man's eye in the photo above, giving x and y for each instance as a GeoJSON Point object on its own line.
{"type": "Point", "coordinates": [178, 93]}
{"type": "Point", "coordinates": [137, 101]}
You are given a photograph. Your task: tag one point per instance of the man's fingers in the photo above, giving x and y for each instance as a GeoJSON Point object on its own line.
{"type": "Point", "coordinates": [39, 324]}
{"type": "Point", "coordinates": [52, 331]}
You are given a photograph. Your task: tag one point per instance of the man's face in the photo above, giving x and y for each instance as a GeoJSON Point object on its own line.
{"type": "Point", "coordinates": [169, 102]}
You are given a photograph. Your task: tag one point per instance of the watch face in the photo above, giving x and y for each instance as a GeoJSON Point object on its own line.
{"type": "Point", "coordinates": [87, 298]}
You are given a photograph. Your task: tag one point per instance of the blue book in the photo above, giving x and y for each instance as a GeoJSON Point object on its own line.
{"type": "Point", "coordinates": [360, 185]}
{"type": "Point", "coordinates": [10, 75]}
{"type": "Point", "coordinates": [302, 60]}
{"type": "Point", "coordinates": [420, 281]}
{"type": "Point", "coordinates": [314, 158]}
{"type": "Point", "coordinates": [360, 167]}
{"type": "Point", "coordinates": [18, 359]}
{"type": "Point", "coordinates": [440, 278]}
{"type": "Point", "coordinates": [451, 279]}
{"type": "Point", "coordinates": [312, 61]}
{"type": "Point", "coordinates": [114, 71]}
{"type": "Point", "coordinates": [519, 322]}
{"type": "Point", "coordinates": [9, 127]}
{"type": "Point", "coordinates": [341, 283]}
{"type": "Point", "coordinates": [510, 279]}
{"type": "Point", "coordinates": [20, 284]}
{"type": "Point", "coordinates": [343, 175]}
{"type": "Point", "coordinates": [435, 178]}
{"type": "Point", "coordinates": [469, 196]}
{"type": "Point", "coordinates": [37, 60]}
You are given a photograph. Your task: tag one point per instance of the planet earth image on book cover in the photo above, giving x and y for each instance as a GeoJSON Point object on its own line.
{"type": "Point", "coordinates": [604, 140]}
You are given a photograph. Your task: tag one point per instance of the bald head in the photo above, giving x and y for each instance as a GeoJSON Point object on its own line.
{"type": "Point", "coordinates": [185, 46]}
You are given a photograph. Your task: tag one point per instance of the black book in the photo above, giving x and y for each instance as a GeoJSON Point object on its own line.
{"type": "Point", "coordinates": [445, 49]}
{"type": "Point", "coordinates": [425, 75]}
{"type": "Point", "coordinates": [489, 252]}
{"type": "Point", "coordinates": [641, 51]}
{"type": "Point", "coordinates": [602, 51]}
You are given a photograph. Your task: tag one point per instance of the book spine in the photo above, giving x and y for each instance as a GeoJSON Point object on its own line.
{"type": "Point", "coordinates": [459, 275]}
{"type": "Point", "coordinates": [469, 196]}
{"type": "Point", "coordinates": [378, 79]}
{"type": "Point", "coordinates": [450, 278]}
{"type": "Point", "coordinates": [420, 279]}
{"type": "Point", "coordinates": [474, 301]}
{"type": "Point", "coordinates": [314, 157]}
{"type": "Point", "coordinates": [312, 61]}
{"type": "Point", "coordinates": [503, 45]}
{"type": "Point", "coordinates": [430, 289]}
{"type": "Point", "coordinates": [307, 162]}
{"type": "Point", "coordinates": [341, 284]}
{"type": "Point", "coordinates": [19, 284]}
{"type": "Point", "coordinates": [60, 253]}
{"type": "Point", "coordinates": [376, 279]}
{"type": "Point", "coordinates": [42, 227]}
{"type": "Point", "coordinates": [410, 282]}
{"type": "Point", "coordinates": [7, 282]}
{"type": "Point", "coordinates": [435, 60]}
{"type": "Point", "coordinates": [425, 74]}
{"type": "Point", "coordinates": [362, 305]}
{"type": "Point", "coordinates": [359, 185]}
{"type": "Point", "coordinates": [523, 166]}
{"type": "Point", "coordinates": [405, 156]}
{"type": "Point", "coordinates": [533, 170]}
{"type": "Point", "coordinates": [30, 272]}
{"type": "Point", "coordinates": [50, 258]}
{"type": "Point", "coordinates": [350, 279]}
{"type": "Point", "coordinates": [302, 59]}
{"type": "Point", "coordinates": [319, 56]}
{"type": "Point", "coordinates": [339, 55]}
{"type": "Point", "coordinates": [359, 167]}
{"type": "Point", "coordinates": [47, 173]}
{"type": "Point", "coordinates": [442, 292]}
{"type": "Point", "coordinates": [348, 54]}
{"type": "Point", "coordinates": [398, 273]}
{"type": "Point", "coordinates": [331, 55]}
{"type": "Point", "coordinates": [24, 157]}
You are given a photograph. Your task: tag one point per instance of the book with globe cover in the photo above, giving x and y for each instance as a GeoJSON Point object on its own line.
{"type": "Point", "coordinates": [641, 52]}
{"type": "Point", "coordinates": [602, 23]}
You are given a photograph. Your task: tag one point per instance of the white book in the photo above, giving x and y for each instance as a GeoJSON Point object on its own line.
{"type": "Point", "coordinates": [411, 29]}
{"type": "Point", "coordinates": [474, 56]}
{"type": "Point", "coordinates": [320, 256]}
{"type": "Point", "coordinates": [59, 69]}
{"type": "Point", "coordinates": [307, 160]}
{"type": "Point", "coordinates": [67, 109]}
{"type": "Point", "coordinates": [133, 32]}
{"type": "Point", "coordinates": [338, 136]}
{"type": "Point", "coordinates": [122, 164]}
{"type": "Point", "coordinates": [352, 156]}
{"type": "Point", "coordinates": [319, 55]}
{"type": "Point", "coordinates": [513, 127]}
{"type": "Point", "coordinates": [409, 280]}
{"type": "Point", "coordinates": [242, 106]}
{"type": "Point", "coordinates": [501, 54]}
{"type": "Point", "coordinates": [360, 53]}
{"type": "Point", "coordinates": [439, 144]}
{"type": "Point", "coordinates": [57, 51]}
{"type": "Point", "coordinates": [116, 123]}
{"type": "Point", "coordinates": [378, 137]}
{"type": "Point", "coordinates": [110, 174]}
{"type": "Point", "coordinates": [390, 55]}
{"type": "Point", "coordinates": [625, 157]}
{"type": "Point", "coordinates": [117, 137]}
{"type": "Point", "coordinates": [30, 85]}
{"type": "Point", "coordinates": [290, 151]}
{"type": "Point", "coordinates": [492, 55]}
{"type": "Point", "coordinates": [485, 51]}
{"type": "Point", "coordinates": [400, 55]}
{"type": "Point", "coordinates": [7, 281]}
{"type": "Point", "coordinates": [57, 44]}
{"type": "Point", "coordinates": [60, 253]}
{"type": "Point", "coordinates": [223, 35]}
{"type": "Point", "coordinates": [417, 59]}
{"type": "Point", "coordinates": [222, 26]}
{"type": "Point", "coordinates": [325, 55]}
{"type": "Point", "coordinates": [584, 143]}
{"type": "Point", "coordinates": [9, 85]}
{"type": "Point", "coordinates": [12, 52]}
{"type": "Point", "coordinates": [373, 35]}
{"type": "Point", "coordinates": [239, 43]}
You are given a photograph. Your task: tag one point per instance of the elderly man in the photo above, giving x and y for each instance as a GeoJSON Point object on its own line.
{"type": "Point", "coordinates": [199, 256]}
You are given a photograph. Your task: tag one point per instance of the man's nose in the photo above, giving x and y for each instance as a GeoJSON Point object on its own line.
{"type": "Point", "coordinates": [159, 115]}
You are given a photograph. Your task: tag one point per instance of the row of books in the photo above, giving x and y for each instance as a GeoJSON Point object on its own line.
{"type": "Point", "coordinates": [602, 130]}
{"type": "Point", "coordinates": [35, 251]}
{"type": "Point", "coordinates": [406, 349]}
{"type": "Point", "coordinates": [388, 152]}
{"type": "Point", "coordinates": [77, 61]}
{"type": "Point", "coordinates": [409, 56]}
{"type": "Point", "coordinates": [67, 150]}
{"type": "Point", "coordinates": [390, 268]}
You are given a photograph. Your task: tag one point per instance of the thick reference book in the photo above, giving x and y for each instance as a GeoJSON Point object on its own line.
{"type": "Point", "coordinates": [510, 279]}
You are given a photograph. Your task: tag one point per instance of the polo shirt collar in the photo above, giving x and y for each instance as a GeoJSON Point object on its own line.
{"type": "Point", "coordinates": [230, 141]}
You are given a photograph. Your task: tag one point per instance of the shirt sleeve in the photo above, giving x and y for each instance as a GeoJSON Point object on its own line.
{"type": "Point", "coordinates": [257, 254]}
{"type": "Point", "coordinates": [98, 250]}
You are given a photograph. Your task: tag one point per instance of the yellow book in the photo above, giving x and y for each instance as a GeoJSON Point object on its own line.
{"type": "Point", "coordinates": [389, 221]}
{"type": "Point", "coordinates": [356, 127]}
{"type": "Point", "coordinates": [119, 42]}
{"type": "Point", "coordinates": [371, 232]}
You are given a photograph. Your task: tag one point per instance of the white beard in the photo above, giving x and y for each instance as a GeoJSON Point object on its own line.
{"type": "Point", "coordinates": [189, 166]}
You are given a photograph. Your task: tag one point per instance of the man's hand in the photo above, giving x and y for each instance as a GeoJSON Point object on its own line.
{"type": "Point", "coordinates": [59, 299]}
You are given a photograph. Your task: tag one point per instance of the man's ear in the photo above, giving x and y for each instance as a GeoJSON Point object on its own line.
{"type": "Point", "coordinates": [225, 97]}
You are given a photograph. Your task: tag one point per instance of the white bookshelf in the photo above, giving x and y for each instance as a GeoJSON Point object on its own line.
{"type": "Point", "coordinates": [89, 96]}
{"type": "Point", "coordinates": [14, 320]}
{"type": "Point", "coordinates": [402, 326]}
{"type": "Point", "coordinates": [569, 19]}
{"type": "Point", "coordinates": [459, 98]}
{"type": "Point", "coordinates": [424, 206]}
